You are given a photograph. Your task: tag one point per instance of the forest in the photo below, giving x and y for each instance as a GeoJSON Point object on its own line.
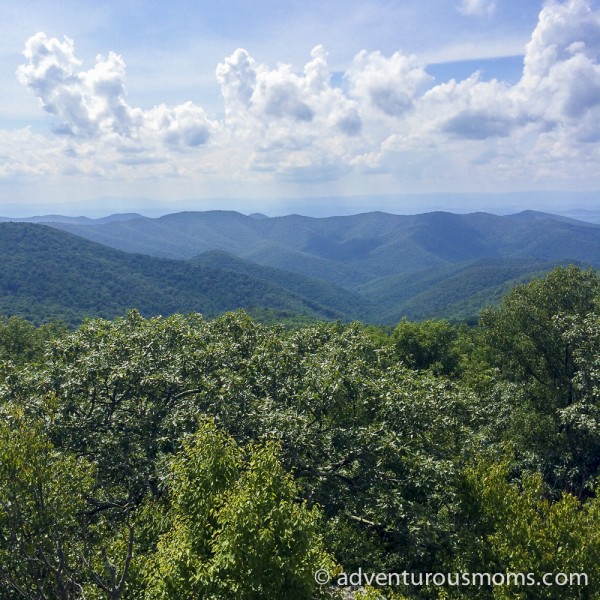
{"type": "Point", "coordinates": [372, 267]}
{"type": "Point", "coordinates": [189, 457]}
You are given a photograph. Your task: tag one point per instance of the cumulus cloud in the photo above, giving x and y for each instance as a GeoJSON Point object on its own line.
{"type": "Point", "coordinates": [390, 105]}
{"type": "Point", "coordinates": [255, 91]}
{"type": "Point", "coordinates": [385, 115]}
{"type": "Point", "coordinates": [183, 125]}
{"type": "Point", "coordinates": [470, 109]}
{"type": "Point", "coordinates": [237, 78]}
{"type": "Point", "coordinates": [25, 153]}
{"type": "Point", "coordinates": [558, 93]}
{"type": "Point", "coordinates": [561, 76]}
{"type": "Point", "coordinates": [390, 85]}
{"type": "Point", "coordinates": [289, 120]}
{"type": "Point", "coordinates": [92, 104]}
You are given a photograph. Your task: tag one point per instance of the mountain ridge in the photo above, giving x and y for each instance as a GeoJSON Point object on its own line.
{"type": "Point", "coordinates": [66, 277]}
{"type": "Point", "coordinates": [371, 266]}
{"type": "Point", "coordinates": [353, 247]}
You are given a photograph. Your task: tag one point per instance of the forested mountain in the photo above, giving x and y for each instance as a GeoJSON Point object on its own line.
{"type": "Point", "coordinates": [456, 292]}
{"type": "Point", "coordinates": [356, 249]}
{"type": "Point", "coordinates": [375, 267]}
{"type": "Point", "coordinates": [46, 274]}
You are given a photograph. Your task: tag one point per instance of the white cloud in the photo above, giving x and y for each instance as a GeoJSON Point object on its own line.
{"type": "Point", "coordinates": [87, 103]}
{"type": "Point", "coordinates": [561, 77]}
{"type": "Point", "coordinates": [390, 85]}
{"type": "Point", "coordinates": [384, 118]}
{"type": "Point", "coordinates": [25, 153]}
{"type": "Point", "coordinates": [470, 109]}
{"type": "Point", "coordinates": [288, 121]}
{"type": "Point", "coordinates": [237, 78]}
{"type": "Point", "coordinates": [185, 125]}
{"type": "Point", "coordinates": [557, 95]}
{"type": "Point", "coordinates": [92, 104]}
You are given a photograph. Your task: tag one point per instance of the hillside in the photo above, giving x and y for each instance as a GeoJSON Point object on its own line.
{"type": "Point", "coordinates": [456, 292]}
{"type": "Point", "coordinates": [351, 303]}
{"type": "Point", "coordinates": [374, 267]}
{"type": "Point", "coordinates": [47, 274]}
{"type": "Point", "coordinates": [351, 251]}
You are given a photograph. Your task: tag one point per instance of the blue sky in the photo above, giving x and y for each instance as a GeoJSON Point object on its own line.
{"type": "Point", "coordinates": [255, 102]}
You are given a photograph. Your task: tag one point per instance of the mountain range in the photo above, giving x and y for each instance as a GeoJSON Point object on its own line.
{"type": "Point", "coordinates": [47, 274]}
{"type": "Point", "coordinates": [375, 266]}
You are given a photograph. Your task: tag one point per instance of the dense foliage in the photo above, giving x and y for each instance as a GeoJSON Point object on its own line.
{"type": "Point", "coordinates": [47, 274]}
{"type": "Point", "coordinates": [182, 457]}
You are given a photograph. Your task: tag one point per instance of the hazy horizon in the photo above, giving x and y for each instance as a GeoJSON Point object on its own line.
{"type": "Point", "coordinates": [575, 205]}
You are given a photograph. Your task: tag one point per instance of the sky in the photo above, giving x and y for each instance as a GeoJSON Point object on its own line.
{"type": "Point", "coordinates": [266, 105]}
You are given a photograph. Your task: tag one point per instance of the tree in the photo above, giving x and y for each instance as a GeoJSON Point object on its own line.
{"type": "Point", "coordinates": [237, 528]}
{"type": "Point", "coordinates": [512, 527]}
{"type": "Point", "coordinates": [53, 542]}
{"type": "Point", "coordinates": [581, 418]}
{"type": "Point", "coordinates": [427, 345]}
{"type": "Point", "coordinates": [114, 391]}
{"type": "Point", "coordinates": [525, 338]}
{"type": "Point", "coordinates": [21, 342]}
{"type": "Point", "coordinates": [537, 367]}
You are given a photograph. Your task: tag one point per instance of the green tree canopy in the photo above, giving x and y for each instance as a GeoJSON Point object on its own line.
{"type": "Point", "coordinates": [237, 528]}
